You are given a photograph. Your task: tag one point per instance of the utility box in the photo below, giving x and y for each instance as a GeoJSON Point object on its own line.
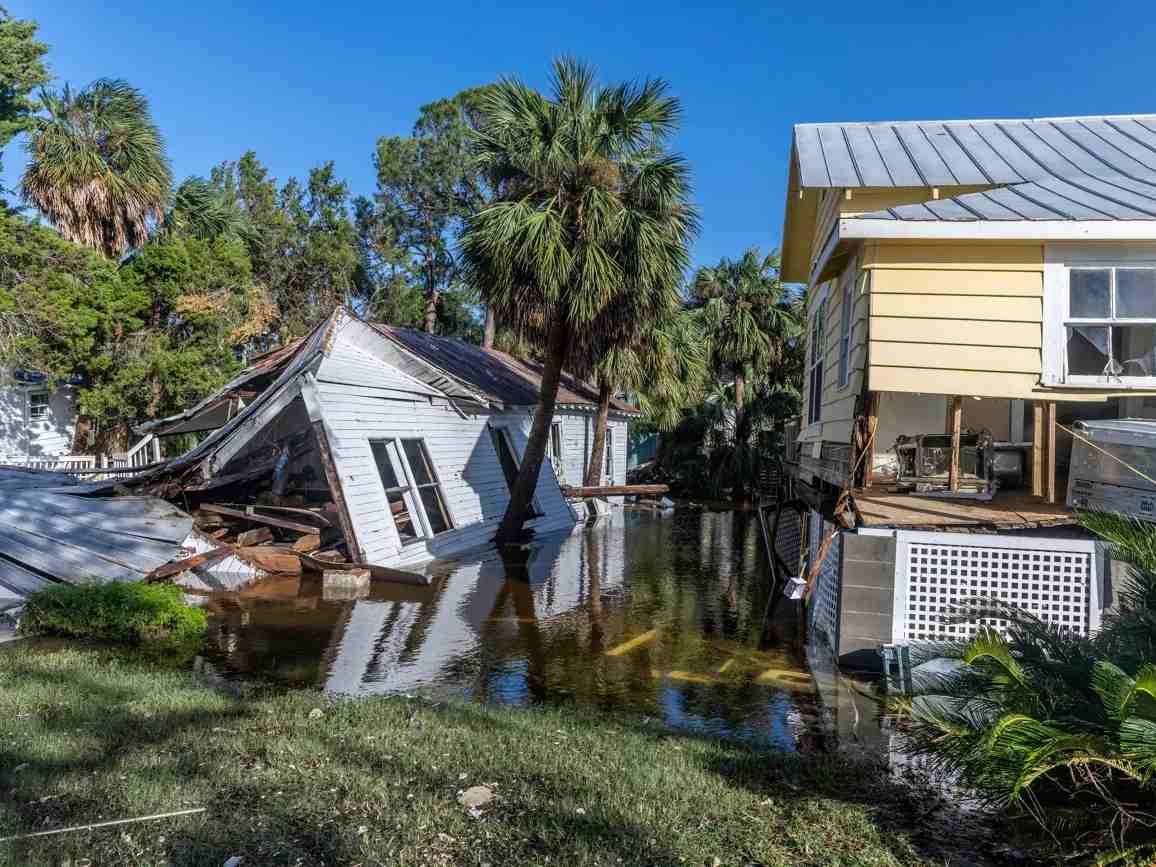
{"type": "Point", "coordinates": [1110, 462]}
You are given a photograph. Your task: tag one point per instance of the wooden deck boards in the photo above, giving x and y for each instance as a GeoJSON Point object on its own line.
{"type": "Point", "coordinates": [1010, 510]}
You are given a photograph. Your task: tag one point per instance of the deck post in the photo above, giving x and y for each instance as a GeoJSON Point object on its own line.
{"type": "Point", "coordinates": [872, 427]}
{"type": "Point", "coordinates": [1037, 448]}
{"type": "Point", "coordinates": [956, 417]}
{"type": "Point", "coordinates": [1050, 425]}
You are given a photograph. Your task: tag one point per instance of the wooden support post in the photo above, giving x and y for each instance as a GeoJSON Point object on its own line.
{"type": "Point", "coordinates": [956, 417]}
{"type": "Point", "coordinates": [1037, 449]}
{"type": "Point", "coordinates": [872, 427]}
{"type": "Point", "coordinates": [1050, 469]}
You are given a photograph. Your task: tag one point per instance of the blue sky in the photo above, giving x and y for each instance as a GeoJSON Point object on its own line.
{"type": "Point", "coordinates": [301, 82]}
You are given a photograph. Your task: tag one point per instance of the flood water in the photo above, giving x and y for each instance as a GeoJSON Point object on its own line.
{"type": "Point", "coordinates": [673, 616]}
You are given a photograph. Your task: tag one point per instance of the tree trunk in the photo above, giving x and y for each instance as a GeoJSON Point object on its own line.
{"type": "Point", "coordinates": [510, 530]}
{"type": "Point", "coordinates": [598, 446]}
{"type": "Point", "coordinates": [739, 489]}
{"type": "Point", "coordinates": [488, 331]}
{"type": "Point", "coordinates": [431, 311]}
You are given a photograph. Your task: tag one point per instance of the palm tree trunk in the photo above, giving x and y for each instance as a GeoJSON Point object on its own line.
{"type": "Point", "coordinates": [488, 331]}
{"type": "Point", "coordinates": [739, 489]}
{"type": "Point", "coordinates": [431, 311]}
{"type": "Point", "coordinates": [598, 447]}
{"type": "Point", "coordinates": [510, 530]}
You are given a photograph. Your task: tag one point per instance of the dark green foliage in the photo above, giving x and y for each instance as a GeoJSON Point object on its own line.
{"type": "Point", "coordinates": [427, 184]}
{"type": "Point", "coordinates": [22, 70]}
{"type": "Point", "coordinates": [1049, 725]}
{"type": "Point", "coordinates": [148, 615]}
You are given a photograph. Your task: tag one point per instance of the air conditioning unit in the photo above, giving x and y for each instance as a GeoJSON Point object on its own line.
{"type": "Point", "coordinates": [1107, 473]}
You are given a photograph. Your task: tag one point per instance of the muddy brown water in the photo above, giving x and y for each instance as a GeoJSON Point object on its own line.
{"type": "Point", "coordinates": [673, 616]}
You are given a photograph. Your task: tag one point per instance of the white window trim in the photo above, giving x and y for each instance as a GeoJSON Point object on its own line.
{"type": "Point", "coordinates": [846, 324]}
{"type": "Point", "coordinates": [819, 305]}
{"type": "Point", "coordinates": [1059, 260]}
{"type": "Point", "coordinates": [47, 405]}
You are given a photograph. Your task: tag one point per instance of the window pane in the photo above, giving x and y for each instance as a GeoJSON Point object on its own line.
{"type": "Point", "coordinates": [1089, 293]}
{"type": "Point", "coordinates": [1087, 350]}
{"type": "Point", "coordinates": [1134, 349]}
{"type": "Point", "coordinates": [402, 517]}
{"type": "Point", "coordinates": [380, 449]}
{"type": "Point", "coordinates": [435, 510]}
{"type": "Point", "coordinates": [415, 453]}
{"type": "Point", "coordinates": [1136, 293]}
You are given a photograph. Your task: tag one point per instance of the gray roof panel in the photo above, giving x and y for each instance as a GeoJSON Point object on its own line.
{"type": "Point", "coordinates": [1077, 168]}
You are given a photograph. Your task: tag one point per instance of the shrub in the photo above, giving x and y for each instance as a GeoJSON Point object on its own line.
{"type": "Point", "coordinates": [1050, 725]}
{"type": "Point", "coordinates": [146, 615]}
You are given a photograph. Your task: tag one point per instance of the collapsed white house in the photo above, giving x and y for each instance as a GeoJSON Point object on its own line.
{"type": "Point", "coordinates": [409, 441]}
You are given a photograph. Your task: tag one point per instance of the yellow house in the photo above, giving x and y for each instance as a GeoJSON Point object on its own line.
{"type": "Point", "coordinates": [987, 278]}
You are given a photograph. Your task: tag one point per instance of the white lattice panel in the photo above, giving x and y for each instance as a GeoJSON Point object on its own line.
{"type": "Point", "coordinates": [1053, 579]}
{"type": "Point", "coordinates": [823, 606]}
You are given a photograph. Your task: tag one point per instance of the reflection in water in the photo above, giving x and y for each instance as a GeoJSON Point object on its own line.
{"type": "Point", "coordinates": [670, 616]}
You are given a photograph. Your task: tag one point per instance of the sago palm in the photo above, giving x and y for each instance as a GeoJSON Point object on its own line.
{"type": "Point", "coordinates": [1050, 724]}
{"type": "Point", "coordinates": [589, 208]}
{"type": "Point", "coordinates": [97, 166]}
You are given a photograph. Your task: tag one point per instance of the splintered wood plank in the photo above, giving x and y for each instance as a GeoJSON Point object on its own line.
{"type": "Point", "coordinates": [248, 514]}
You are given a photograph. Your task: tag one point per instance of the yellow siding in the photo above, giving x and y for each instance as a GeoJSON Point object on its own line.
{"type": "Point", "coordinates": [955, 357]}
{"type": "Point", "coordinates": [920, 330]}
{"type": "Point", "coordinates": [969, 382]}
{"type": "Point", "coordinates": [988, 308]}
{"type": "Point", "coordinates": [929, 281]}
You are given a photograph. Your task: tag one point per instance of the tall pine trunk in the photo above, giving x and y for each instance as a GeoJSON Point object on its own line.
{"type": "Point", "coordinates": [431, 311]}
{"type": "Point", "coordinates": [488, 332]}
{"type": "Point", "coordinates": [598, 446]}
{"type": "Point", "coordinates": [510, 530]}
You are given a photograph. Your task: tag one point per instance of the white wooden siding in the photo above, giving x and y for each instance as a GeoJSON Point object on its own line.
{"type": "Point", "coordinates": [22, 438]}
{"type": "Point", "coordinates": [364, 398]}
{"type": "Point", "coordinates": [577, 439]}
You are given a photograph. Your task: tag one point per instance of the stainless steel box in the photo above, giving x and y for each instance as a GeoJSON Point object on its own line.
{"type": "Point", "coordinates": [1107, 472]}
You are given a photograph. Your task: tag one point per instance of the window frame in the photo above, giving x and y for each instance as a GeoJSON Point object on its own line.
{"type": "Point", "coordinates": [845, 331]}
{"type": "Point", "coordinates": [501, 433]}
{"type": "Point", "coordinates": [47, 406]}
{"type": "Point", "coordinates": [817, 351]}
{"type": "Point", "coordinates": [557, 457]}
{"type": "Point", "coordinates": [608, 455]}
{"type": "Point", "coordinates": [1060, 260]}
{"type": "Point", "coordinates": [409, 489]}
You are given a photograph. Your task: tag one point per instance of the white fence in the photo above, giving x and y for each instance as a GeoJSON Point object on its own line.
{"type": "Point", "coordinates": [143, 454]}
{"type": "Point", "coordinates": [1057, 580]}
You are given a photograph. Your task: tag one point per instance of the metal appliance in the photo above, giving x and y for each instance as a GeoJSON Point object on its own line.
{"type": "Point", "coordinates": [1110, 460]}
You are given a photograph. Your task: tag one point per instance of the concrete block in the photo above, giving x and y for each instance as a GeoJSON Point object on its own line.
{"type": "Point", "coordinates": [866, 600]}
{"type": "Point", "coordinates": [862, 626]}
{"type": "Point", "coordinates": [344, 584]}
{"type": "Point", "coordinates": [867, 573]}
{"type": "Point", "coordinates": [879, 549]}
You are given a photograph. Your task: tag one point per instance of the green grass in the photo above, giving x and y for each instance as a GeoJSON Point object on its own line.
{"type": "Point", "coordinates": [148, 615]}
{"type": "Point", "coordinates": [93, 734]}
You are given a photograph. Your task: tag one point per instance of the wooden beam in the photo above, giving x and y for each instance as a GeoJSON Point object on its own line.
{"type": "Point", "coordinates": [1050, 469]}
{"type": "Point", "coordinates": [1037, 449]}
{"type": "Point", "coordinates": [613, 490]}
{"type": "Point", "coordinates": [248, 514]}
{"type": "Point", "coordinates": [956, 424]}
{"type": "Point", "coordinates": [176, 567]}
{"type": "Point", "coordinates": [356, 554]}
{"type": "Point", "coordinates": [872, 429]}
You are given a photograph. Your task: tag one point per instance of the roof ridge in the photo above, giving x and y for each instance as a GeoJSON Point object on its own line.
{"type": "Point", "coordinates": [1064, 119]}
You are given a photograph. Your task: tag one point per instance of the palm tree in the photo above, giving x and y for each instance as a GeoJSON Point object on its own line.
{"type": "Point", "coordinates": [665, 364]}
{"type": "Point", "coordinates": [98, 169]}
{"type": "Point", "coordinates": [589, 208]}
{"type": "Point", "coordinates": [751, 322]}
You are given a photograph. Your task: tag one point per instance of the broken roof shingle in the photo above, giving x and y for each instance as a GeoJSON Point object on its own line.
{"type": "Point", "coordinates": [1077, 168]}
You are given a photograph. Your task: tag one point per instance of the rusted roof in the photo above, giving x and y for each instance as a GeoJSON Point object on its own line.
{"type": "Point", "coordinates": [497, 375]}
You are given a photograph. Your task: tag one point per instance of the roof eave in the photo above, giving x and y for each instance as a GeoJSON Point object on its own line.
{"type": "Point", "coordinates": [859, 228]}
{"type": "Point", "coordinates": [799, 216]}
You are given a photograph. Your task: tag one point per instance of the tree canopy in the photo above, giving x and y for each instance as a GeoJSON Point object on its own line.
{"type": "Point", "coordinates": [22, 71]}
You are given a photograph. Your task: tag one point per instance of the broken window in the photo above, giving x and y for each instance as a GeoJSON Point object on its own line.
{"type": "Point", "coordinates": [428, 488]}
{"type": "Point", "coordinates": [1110, 329]}
{"type": "Point", "coordinates": [411, 488]}
{"type": "Point", "coordinates": [37, 405]}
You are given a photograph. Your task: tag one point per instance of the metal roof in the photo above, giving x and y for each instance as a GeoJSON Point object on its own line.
{"type": "Point", "coordinates": [504, 379]}
{"type": "Point", "coordinates": [48, 534]}
{"type": "Point", "coordinates": [1077, 168]}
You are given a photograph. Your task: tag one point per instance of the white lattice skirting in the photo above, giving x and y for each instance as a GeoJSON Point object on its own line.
{"type": "Point", "coordinates": [1057, 580]}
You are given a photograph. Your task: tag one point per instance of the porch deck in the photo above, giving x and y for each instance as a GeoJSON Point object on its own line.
{"type": "Point", "coordinates": [1008, 510]}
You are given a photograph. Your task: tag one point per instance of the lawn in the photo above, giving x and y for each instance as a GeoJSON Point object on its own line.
{"type": "Point", "coordinates": [88, 735]}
